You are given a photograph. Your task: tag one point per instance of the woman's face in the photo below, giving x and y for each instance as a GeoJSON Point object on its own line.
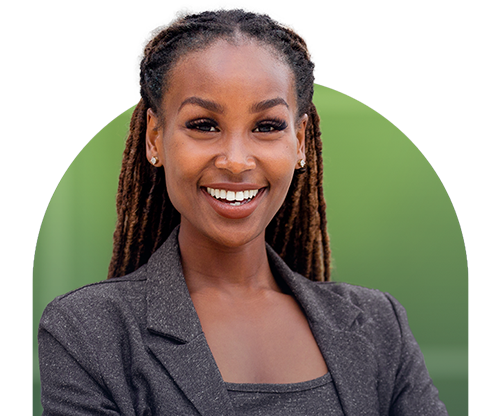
{"type": "Point", "coordinates": [229, 141]}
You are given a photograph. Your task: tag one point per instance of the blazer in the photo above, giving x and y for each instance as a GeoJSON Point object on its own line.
{"type": "Point", "coordinates": [134, 346]}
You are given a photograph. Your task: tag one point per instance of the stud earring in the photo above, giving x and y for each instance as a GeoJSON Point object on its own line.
{"type": "Point", "coordinates": [153, 160]}
{"type": "Point", "coordinates": [302, 163]}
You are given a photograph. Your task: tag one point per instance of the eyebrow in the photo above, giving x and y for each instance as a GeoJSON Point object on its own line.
{"type": "Point", "coordinates": [217, 108]}
{"type": "Point", "coordinates": [209, 105]}
{"type": "Point", "coordinates": [266, 104]}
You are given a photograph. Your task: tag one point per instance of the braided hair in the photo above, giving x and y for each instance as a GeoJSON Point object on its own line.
{"type": "Point", "coordinates": [146, 217]}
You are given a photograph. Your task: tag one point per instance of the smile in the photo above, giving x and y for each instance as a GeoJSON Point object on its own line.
{"type": "Point", "coordinates": [234, 198]}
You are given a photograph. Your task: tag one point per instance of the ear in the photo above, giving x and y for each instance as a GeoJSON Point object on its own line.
{"type": "Point", "coordinates": [153, 137]}
{"type": "Point", "coordinates": [301, 138]}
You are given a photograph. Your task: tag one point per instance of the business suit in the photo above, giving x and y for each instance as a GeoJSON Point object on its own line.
{"type": "Point", "coordinates": [134, 346]}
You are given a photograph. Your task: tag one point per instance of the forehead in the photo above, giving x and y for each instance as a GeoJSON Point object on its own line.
{"type": "Point", "coordinates": [232, 71]}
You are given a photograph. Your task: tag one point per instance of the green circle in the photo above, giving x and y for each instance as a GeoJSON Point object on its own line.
{"type": "Point", "coordinates": [75, 240]}
{"type": "Point", "coordinates": [391, 224]}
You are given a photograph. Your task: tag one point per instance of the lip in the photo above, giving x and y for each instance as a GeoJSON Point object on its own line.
{"type": "Point", "coordinates": [233, 186]}
{"type": "Point", "coordinates": [230, 211]}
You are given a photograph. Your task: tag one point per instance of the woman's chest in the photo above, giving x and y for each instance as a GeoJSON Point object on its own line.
{"type": "Point", "coordinates": [262, 343]}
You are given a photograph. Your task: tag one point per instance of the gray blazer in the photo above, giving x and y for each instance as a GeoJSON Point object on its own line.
{"type": "Point", "coordinates": [134, 346]}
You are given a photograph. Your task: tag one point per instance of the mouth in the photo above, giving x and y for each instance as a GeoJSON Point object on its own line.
{"type": "Point", "coordinates": [234, 203]}
{"type": "Point", "coordinates": [233, 198]}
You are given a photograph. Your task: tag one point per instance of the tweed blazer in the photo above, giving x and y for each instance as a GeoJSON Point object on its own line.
{"type": "Point", "coordinates": [134, 346]}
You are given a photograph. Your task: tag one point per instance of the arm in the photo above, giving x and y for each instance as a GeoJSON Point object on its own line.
{"type": "Point", "coordinates": [414, 393]}
{"type": "Point", "coordinates": [69, 367]}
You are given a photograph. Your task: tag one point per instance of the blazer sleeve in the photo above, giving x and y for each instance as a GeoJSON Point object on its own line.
{"type": "Point", "coordinates": [413, 393]}
{"type": "Point", "coordinates": [69, 367]}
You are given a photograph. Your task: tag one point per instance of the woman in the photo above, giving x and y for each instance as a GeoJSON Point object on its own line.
{"type": "Point", "coordinates": [201, 315]}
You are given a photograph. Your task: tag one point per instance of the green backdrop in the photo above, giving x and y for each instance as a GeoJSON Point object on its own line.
{"type": "Point", "coordinates": [392, 227]}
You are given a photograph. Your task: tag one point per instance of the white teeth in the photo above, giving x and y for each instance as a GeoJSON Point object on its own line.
{"type": "Point", "coordinates": [231, 196]}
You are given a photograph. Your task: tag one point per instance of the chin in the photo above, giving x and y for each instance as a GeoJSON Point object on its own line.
{"type": "Point", "coordinates": [225, 234]}
{"type": "Point", "coordinates": [236, 239]}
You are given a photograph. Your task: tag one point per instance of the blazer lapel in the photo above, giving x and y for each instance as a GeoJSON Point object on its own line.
{"type": "Point", "coordinates": [351, 362]}
{"type": "Point", "coordinates": [185, 354]}
{"type": "Point", "coordinates": [195, 372]}
{"type": "Point", "coordinates": [336, 325]}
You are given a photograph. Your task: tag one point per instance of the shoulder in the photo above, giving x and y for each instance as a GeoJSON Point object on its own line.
{"type": "Point", "coordinates": [374, 315]}
{"type": "Point", "coordinates": [87, 305]}
{"type": "Point", "coordinates": [403, 381]}
{"type": "Point", "coordinates": [354, 293]}
{"type": "Point", "coordinates": [370, 301]}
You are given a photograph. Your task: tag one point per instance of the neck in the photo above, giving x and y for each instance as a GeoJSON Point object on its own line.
{"type": "Point", "coordinates": [209, 266]}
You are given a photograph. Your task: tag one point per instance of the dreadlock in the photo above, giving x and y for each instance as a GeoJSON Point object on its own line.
{"type": "Point", "coordinates": [146, 217]}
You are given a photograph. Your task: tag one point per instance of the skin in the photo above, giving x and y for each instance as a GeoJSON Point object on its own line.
{"type": "Point", "coordinates": [229, 122]}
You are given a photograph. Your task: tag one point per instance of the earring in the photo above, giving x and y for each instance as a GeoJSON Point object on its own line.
{"type": "Point", "coordinates": [153, 160]}
{"type": "Point", "coordinates": [302, 163]}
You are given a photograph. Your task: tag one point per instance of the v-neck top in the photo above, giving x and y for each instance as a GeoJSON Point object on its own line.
{"type": "Point", "coordinates": [314, 397]}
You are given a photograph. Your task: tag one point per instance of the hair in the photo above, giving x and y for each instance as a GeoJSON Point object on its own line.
{"type": "Point", "coordinates": [146, 217]}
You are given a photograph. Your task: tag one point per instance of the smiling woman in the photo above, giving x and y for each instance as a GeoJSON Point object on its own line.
{"type": "Point", "coordinates": [213, 294]}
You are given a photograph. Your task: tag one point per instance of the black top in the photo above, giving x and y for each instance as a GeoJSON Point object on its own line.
{"type": "Point", "coordinates": [316, 397]}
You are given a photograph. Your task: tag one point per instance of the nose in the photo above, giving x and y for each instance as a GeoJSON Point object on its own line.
{"type": "Point", "coordinates": [235, 155]}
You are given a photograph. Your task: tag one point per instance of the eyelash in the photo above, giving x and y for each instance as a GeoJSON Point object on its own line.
{"type": "Point", "coordinates": [206, 124]}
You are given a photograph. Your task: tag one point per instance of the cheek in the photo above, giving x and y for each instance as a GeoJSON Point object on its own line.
{"type": "Point", "coordinates": [281, 170]}
{"type": "Point", "coordinates": [179, 170]}
{"type": "Point", "coordinates": [185, 164]}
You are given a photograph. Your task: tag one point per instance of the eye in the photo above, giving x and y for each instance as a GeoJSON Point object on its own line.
{"type": "Point", "coordinates": [269, 126]}
{"type": "Point", "coordinates": [203, 124]}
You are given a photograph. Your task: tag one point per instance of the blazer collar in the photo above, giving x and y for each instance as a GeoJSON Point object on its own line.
{"type": "Point", "coordinates": [169, 307]}
{"type": "Point", "coordinates": [171, 311]}
{"type": "Point", "coordinates": [321, 305]}
{"type": "Point", "coordinates": [334, 320]}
